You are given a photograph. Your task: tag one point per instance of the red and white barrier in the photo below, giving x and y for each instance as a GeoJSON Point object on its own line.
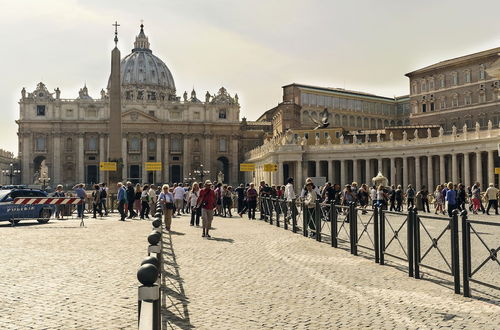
{"type": "Point", "coordinates": [48, 201]}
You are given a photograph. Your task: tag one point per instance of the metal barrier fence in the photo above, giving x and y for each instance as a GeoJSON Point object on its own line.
{"type": "Point", "coordinates": [149, 274]}
{"type": "Point", "coordinates": [407, 237]}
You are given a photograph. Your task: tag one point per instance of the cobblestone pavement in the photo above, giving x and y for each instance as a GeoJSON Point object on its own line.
{"type": "Point", "coordinates": [60, 276]}
{"type": "Point", "coordinates": [251, 275]}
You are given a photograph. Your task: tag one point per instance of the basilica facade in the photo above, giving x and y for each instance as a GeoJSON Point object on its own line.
{"type": "Point", "coordinates": [185, 133]}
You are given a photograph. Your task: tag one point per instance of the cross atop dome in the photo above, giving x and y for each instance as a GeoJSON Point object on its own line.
{"type": "Point", "coordinates": [141, 41]}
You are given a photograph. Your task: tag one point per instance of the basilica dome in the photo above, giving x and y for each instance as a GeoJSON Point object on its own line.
{"type": "Point", "coordinates": [143, 70]}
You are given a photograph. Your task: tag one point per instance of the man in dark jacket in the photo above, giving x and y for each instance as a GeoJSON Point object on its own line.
{"type": "Point", "coordinates": [130, 199]}
{"type": "Point", "coordinates": [241, 197]}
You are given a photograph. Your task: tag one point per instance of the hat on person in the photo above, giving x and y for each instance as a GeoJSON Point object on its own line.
{"type": "Point", "coordinates": [208, 182]}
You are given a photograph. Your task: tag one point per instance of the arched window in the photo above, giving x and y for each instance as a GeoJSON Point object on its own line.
{"type": "Point", "coordinates": [68, 144]}
{"type": "Point", "coordinates": [222, 114]}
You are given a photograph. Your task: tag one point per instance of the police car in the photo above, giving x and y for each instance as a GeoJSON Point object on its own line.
{"type": "Point", "coordinates": [14, 213]}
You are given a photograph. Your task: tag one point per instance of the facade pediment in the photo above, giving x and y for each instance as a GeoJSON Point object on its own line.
{"type": "Point", "coordinates": [138, 116]}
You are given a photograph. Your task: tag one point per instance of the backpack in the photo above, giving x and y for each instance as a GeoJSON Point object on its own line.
{"type": "Point", "coordinates": [104, 193]}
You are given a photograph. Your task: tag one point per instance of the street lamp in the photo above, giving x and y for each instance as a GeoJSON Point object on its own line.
{"type": "Point", "coordinates": [201, 172]}
{"type": "Point", "coordinates": [11, 172]}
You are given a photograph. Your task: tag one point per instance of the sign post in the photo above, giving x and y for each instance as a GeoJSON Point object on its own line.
{"type": "Point", "coordinates": [107, 166]}
{"type": "Point", "coordinates": [270, 167]}
{"type": "Point", "coordinates": [153, 166]}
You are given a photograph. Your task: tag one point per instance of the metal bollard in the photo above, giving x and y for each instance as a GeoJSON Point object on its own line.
{"type": "Point", "coordinates": [409, 239]}
{"type": "Point", "coordinates": [416, 243]}
{"type": "Point", "coordinates": [293, 210]}
{"type": "Point", "coordinates": [149, 303]}
{"type": "Point", "coordinates": [333, 224]}
{"type": "Point", "coordinates": [376, 235]}
{"type": "Point", "coordinates": [465, 253]}
{"type": "Point", "coordinates": [382, 234]}
{"type": "Point", "coordinates": [317, 220]}
{"type": "Point", "coordinates": [455, 255]}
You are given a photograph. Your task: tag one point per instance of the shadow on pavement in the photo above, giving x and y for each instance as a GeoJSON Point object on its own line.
{"type": "Point", "coordinates": [175, 312]}
{"type": "Point", "coordinates": [217, 239]}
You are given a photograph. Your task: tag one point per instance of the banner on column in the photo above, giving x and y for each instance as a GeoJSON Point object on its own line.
{"type": "Point", "coordinates": [247, 167]}
{"type": "Point", "coordinates": [270, 167]}
{"type": "Point", "coordinates": [107, 166]}
{"type": "Point", "coordinates": [497, 170]}
{"type": "Point", "coordinates": [153, 166]}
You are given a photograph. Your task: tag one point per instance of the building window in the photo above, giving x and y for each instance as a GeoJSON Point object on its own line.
{"type": "Point", "coordinates": [129, 95]}
{"type": "Point", "coordinates": [152, 113]}
{"type": "Point", "coordinates": [431, 84]}
{"type": "Point", "coordinates": [40, 110]}
{"type": "Point", "coordinates": [424, 107]}
{"type": "Point", "coordinates": [69, 144]}
{"type": "Point", "coordinates": [455, 78]}
{"type": "Point", "coordinates": [134, 144]}
{"type": "Point", "coordinates": [442, 82]}
{"type": "Point", "coordinates": [222, 114]}
{"type": "Point", "coordinates": [454, 102]}
{"type": "Point", "coordinates": [92, 143]}
{"type": "Point", "coordinates": [414, 88]}
{"type": "Point", "coordinates": [482, 73]}
{"type": "Point", "coordinates": [326, 134]}
{"type": "Point", "coordinates": [468, 99]}
{"type": "Point", "coordinates": [306, 136]}
{"type": "Point", "coordinates": [222, 145]}
{"type": "Point", "coordinates": [196, 115]}
{"type": "Point", "coordinates": [467, 76]}
{"type": "Point", "coordinates": [482, 97]}
{"type": "Point", "coordinates": [151, 145]}
{"type": "Point", "coordinates": [432, 106]}
{"type": "Point", "coordinates": [423, 87]}
{"type": "Point", "coordinates": [40, 144]}
{"type": "Point", "coordinates": [176, 144]}
{"type": "Point", "coordinates": [442, 104]}
{"type": "Point", "coordinates": [175, 115]}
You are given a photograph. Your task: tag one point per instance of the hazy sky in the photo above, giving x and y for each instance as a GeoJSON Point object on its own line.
{"type": "Point", "coordinates": [251, 47]}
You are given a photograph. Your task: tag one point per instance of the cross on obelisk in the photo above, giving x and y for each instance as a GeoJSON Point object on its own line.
{"type": "Point", "coordinates": [116, 25]}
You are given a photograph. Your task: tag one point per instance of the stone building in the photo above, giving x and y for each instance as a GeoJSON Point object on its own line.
{"type": "Point", "coordinates": [181, 132]}
{"type": "Point", "coordinates": [456, 92]}
{"type": "Point", "coordinates": [7, 164]}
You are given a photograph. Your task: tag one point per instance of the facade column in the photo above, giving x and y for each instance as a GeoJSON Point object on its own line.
{"type": "Point", "coordinates": [144, 159]}
{"type": "Point", "coordinates": [418, 175]}
{"type": "Point", "coordinates": [166, 159]}
{"type": "Point", "coordinates": [442, 177]}
{"type": "Point", "coordinates": [430, 173]}
{"type": "Point", "coordinates": [81, 160]}
{"type": "Point", "coordinates": [393, 171]}
{"type": "Point", "coordinates": [368, 172]}
{"type": "Point", "coordinates": [280, 180]}
{"type": "Point", "coordinates": [56, 161]}
{"type": "Point", "coordinates": [491, 170]}
{"type": "Point", "coordinates": [124, 159]}
{"type": "Point", "coordinates": [343, 178]}
{"type": "Point", "coordinates": [355, 170]}
{"type": "Point", "coordinates": [479, 169]}
{"type": "Point", "coordinates": [102, 157]}
{"type": "Point", "coordinates": [235, 166]}
{"type": "Point", "coordinates": [26, 153]}
{"type": "Point", "coordinates": [158, 177]}
{"type": "Point", "coordinates": [330, 171]}
{"type": "Point", "coordinates": [379, 165]}
{"type": "Point", "coordinates": [466, 169]}
{"type": "Point", "coordinates": [207, 154]}
{"type": "Point", "coordinates": [454, 168]}
{"type": "Point", "coordinates": [298, 179]}
{"type": "Point", "coordinates": [185, 157]}
{"type": "Point", "coordinates": [405, 172]}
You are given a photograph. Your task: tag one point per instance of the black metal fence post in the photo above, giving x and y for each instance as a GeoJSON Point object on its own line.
{"type": "Point", "coordinates": [455, 253]}
{"type": "Point", "coordinates": [416, 243]}
{"type": "Point", "coordinates": [293, 207]}
{"type": "Point", "coordinates": [465, 253]}
{"type": "Point", "coordinates": [270, 209]}
{"type": "Point", "coordinates": [317, 220]}
{"type": "Point", "coordinates": [277, 208]}
{"type": "Point", "coordinates": [410, 240]}
{"type": "Point", "coordinates": [382, 234]}
{"type": "Point", "coordinates": [353, 224]}
{"type": "Point", "coordinates": [376, 237]}
{"type": "Point", "coordinates": [286, 212]}
{"type": "Point", "coordinates": [304, 220]}
{"type": "Point", "coordinates": [333, 224]}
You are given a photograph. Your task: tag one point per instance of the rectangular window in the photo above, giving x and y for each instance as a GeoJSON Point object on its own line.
{"type": "Point", "coordinates": [152, 113]}
{"type": "Point", "coordinates": [431, 85]}
{"type": "Point", "coordinates": [92, 143]}
{"type": "Point", "coordinates": [223, 145]}
{"type": "Point", "coordinates": [467, 76]}
{"type": "Point", "coordinates": [442, 82]}
{"type": "Point", "coordinates": [432, 106]}
{"type": "Point", "coordinates": [175, 115]}
{"type": "Point", "coordinates": [455, 78]}
{"type": "Point", "coordinates": [424, 107]}
{"type": "Point", "coordinates": [196, 115]}
{"type": "Point", "coordinates": [304, 98]}
{"type": "Point", "coordinates": [40, 144]}
{"type": "Point", "coordinates": [40, 110]}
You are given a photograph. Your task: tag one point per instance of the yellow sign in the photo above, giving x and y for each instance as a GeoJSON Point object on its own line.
{"type": "Point", "coordinates": [247, 167]}
{"type": "Point", "coordinates": [153, 166]}
{"type": "Point", "coordinates": [497, 170]}
{"type": "Point", "coordinates": [107, 166]}
{"type": "Point", "coordinates": [270, 167]}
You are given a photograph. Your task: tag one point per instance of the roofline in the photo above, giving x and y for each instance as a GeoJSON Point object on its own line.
{"type": "Point", "coordinates": [455, 61]}
{"type": "Point", "coordinates": [340, 91]}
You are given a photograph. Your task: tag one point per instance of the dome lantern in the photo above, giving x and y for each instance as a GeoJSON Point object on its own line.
{"type": "Point", "coordinates": [141, 41]}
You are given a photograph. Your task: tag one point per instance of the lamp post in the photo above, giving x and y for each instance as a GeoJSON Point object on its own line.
{"type": "Point", "coordinates": [201, 172]}
{"type": "Point", "coordinates": [11, 172]}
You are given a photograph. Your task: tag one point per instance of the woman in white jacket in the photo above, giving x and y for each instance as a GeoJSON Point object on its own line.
{"type": "Point", "coordinates": [192, 200]}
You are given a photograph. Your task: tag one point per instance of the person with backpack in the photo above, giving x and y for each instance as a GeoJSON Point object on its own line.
{"type": "Point", "coordinates": [410, 197]}
{"type": "Point", "coordinates": [145, 202]}
{"type": "Point", "coordinates": [104, 198]}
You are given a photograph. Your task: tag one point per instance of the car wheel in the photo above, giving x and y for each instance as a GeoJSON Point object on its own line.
{"type": "Point", "coordinates": [14, 221]}
{"type": "Point", "coordinates": [44, 216]}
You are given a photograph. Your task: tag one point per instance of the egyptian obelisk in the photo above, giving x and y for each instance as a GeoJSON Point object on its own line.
{"type": "Point", "coordinates": [115, 115]}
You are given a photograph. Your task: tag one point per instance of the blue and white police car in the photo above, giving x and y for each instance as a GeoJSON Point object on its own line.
{"type": "Point", "coordinates": [15, 213]}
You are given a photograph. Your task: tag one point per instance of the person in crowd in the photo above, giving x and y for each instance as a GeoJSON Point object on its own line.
{"type": "Point", "coordinates": [264, 192]}
{"type": "Point", "coordinates": [137, 199]}
{"type": "Point", "coordinates": [122, 200]}
{"type": "Point", "coordinates": [439, 201]}
{"type": "Point", "coordinates": [289, 193]}
{"type": "Point", "coordinates": [179, 198]}
{"type": "Point", "coordinates": [218, 199]}
{"type": "Point", "coordinates": [410, 197]}
{"type": "Point", "coordinates": [104, 197]}
{"type": "Point", "coordinates": [280, 192]}
{"type": "Point", "coordinates": [363, 197]}
{"type": "Point", "coordinates": [451, 198]}
{"type": "Point", "coordinates": [82, 194]}
{"type": "Point", "coordinates": [59, 208]}
{"type": "Point", "coordinates": [251, 197]}
{"type": "Point", "coordinates": [461, 197]}
{"type": "Point", "coordinates": [481, 206]}
{"type": "Point", "coordinates": [392, 198]}
{"type": "Point", "coordinates": [424, 195]}
{"type": "Point", "coordinates": [145, 202]}
{"type": "Point", "coordinates": [207, 203]}
{"type": "Point", "coordinates": [240, 192]}
{"type": "Point", "coordinates": [96, 201]}
{"type": "Point", "coordinates": [476, 198]}
{"type": "Point", "coordinates": [347, 195]}
{"type": "Point", "coordinates": [130, 200]}
{"type": "Point", "coordinates": [227, 200]}
{"type": "Point", "coordinates": [328, 193]}
{"type": "Point", "coordinates": [187, 192]}
{"type": "Point", "coordinates": [398, 195]}
{"type": "Point", "coordinates": [382, 197]}
{"type": "Point", "coordinates": [373, 196]}
{"type": "Point", "coordinates": [310, 203]}
{"type": "Point", "coordinates": [469, 195]}
{"type": "Point", "coordinates": [153, 198]}
{"type": "Point", "coordinates": [492, 195]}
{"type": "Point", "coordinates": [193, 203]}
{"type": "Point", "coordinates": [166, 199]}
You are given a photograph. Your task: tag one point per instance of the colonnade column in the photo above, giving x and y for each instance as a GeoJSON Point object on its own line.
{"type": "Point", "coordinates": [158, 177]}
{"type": "Point", "coordinates": [166, 161]}
{"type": "Point", "coordinates": [298, 174]}
{"type": "Point", "coordinates": [418, 182]}
{"type": "Point", "coordinates": [355, 170]}
{"type": "Point", "coordinates": [280, 180]}
{"type": "Point", "coordinates": [124, 158]}
{"type": "Point", "coordinates": [466, 169]}
{"type": "Point", "coordinates": [379, 165]}
{"type": "Point", "coordinates": [56, 162]}
{"type": "Point", "coordinates": [479, 168]}
{"type": "Point", "coordinates": [367, 172]}
{"type": "Point", "coordinates": [343, 179]}
{"type": "Point", "coordinates": [81, 160]}
{"type": "Point", "coordinates": [393, 170]}
{"type": "Point", "coordinates": [102, 157]}
{"type": "Point", "coordinates": [442, 177]}
{"type": "Point", "coordinates": [317, 168]}
{"type": "Point", "coordinates": [454, 168]}
{"type": "Point", "coordinates": [26, 152]}
{"type": "Point", "coordinates": [430, 173]}
{"type": "Point", "coordinates": [330, 171]}
{"type": "Point", "coordinates": [144, 158]}
{"type": "Point", "coordinates": [405, 172]}
{"type": "Point", "coordinates": [491, 170]}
